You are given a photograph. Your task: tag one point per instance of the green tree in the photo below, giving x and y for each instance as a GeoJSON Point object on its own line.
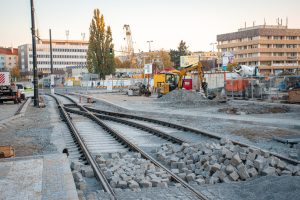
{"type": "Point", "coordinates": [109, 54]}
{"type": "Point", "coordinates": [100, 60]}
{"type": "Point", "coordinates": [182, 50]}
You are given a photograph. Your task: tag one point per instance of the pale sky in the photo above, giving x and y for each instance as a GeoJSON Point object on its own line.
{"type": "Point", "coordinates": [166, 22]}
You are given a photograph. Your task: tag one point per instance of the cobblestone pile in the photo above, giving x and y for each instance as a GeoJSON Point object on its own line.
{"type": "Point", "coordinates": [182, 95]}
{"type": "Point", "coordinates": [210, 163]}
{"type": "Point", "coordinates": [130, 171]}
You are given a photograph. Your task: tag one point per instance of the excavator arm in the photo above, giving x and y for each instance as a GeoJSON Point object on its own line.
{"type": "Point", "coordinates": [201, 80]}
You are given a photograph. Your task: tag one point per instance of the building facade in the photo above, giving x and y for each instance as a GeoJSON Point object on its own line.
{"type": "Point", "coordinates": [64, 53]}
{"type": "Point", "coordinates": [273, 48]}
{"type": "Point", "coordinates": [8, 58]}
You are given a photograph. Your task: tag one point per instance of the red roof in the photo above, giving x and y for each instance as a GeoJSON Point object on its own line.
{"type": "Point", "coordinates": [9, 51]}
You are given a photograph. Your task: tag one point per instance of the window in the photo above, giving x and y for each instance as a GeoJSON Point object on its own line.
{"type": "Point", "coordinates": [278, 54]}
{"type": "Point", "coordinates": [291, 37]}
{"type": "Point", "coordinates": [278, 45]}
{"type": "Point", "coordinates": [291, 46]}
{"type": "Point", "coordinates": [278, 38]}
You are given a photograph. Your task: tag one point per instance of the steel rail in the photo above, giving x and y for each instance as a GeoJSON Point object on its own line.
{"type": "Point", "coordinates": [121, 138]}
{"type": "Point", "coordinates": [98, 172]}
{"type": "Point", "coordinates": [185, 128]}
{"type": "Point", "coordinates": [136, 125]}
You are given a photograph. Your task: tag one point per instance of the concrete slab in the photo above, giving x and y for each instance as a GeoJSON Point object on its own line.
{"type": "Point", "coordinates": [37, 177]}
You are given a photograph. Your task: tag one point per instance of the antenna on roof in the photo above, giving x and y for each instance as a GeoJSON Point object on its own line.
{"type": "Point", "coordinates": [287, 21]}
{"type": "Point", "coordinates": [67, 34]}
{"type": "Point", "coordinates": [265, 22]}
{"type": "Point", "coordinates": [83, 36]}
{"type": "Point", "coordinates": [245, 25]}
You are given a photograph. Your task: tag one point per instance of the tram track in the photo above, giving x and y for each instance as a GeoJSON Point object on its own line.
{"type": "Point", "coordinates": [123, 140]}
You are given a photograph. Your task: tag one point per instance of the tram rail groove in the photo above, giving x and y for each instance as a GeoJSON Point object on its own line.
{"type": "Point", "coordinates": [134, 147]}
{"type": "Point", "coordinates": [98, 172]}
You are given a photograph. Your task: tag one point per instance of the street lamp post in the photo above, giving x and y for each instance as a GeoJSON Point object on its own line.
{"type": "Point", "coordinates": [35, 78]}
{"type": "Point", "coordinates": [150, 44]}
{"type": "Point", "coordinates": [213, 46]}
{"type": "Point", "coordinates": [213, 51]}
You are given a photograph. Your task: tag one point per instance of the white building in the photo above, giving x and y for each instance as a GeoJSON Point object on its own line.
{"type": "Point", "coordinates": [64, 53]}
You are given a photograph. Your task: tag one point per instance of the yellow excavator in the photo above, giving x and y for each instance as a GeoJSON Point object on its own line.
{"type": "Point", "coordinates": [166, 82]}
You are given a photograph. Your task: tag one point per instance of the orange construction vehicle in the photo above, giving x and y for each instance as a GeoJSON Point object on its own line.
{"type": "Point", "coordinates": [174, 79]}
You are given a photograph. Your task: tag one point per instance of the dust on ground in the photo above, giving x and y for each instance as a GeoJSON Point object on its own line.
{"type": "Point", "coordinates": [253, 134]}
{"type": "Point", "coordinates": [254, 109]}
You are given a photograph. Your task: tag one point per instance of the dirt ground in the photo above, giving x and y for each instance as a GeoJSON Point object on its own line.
{"type": "Point", "coordinates": [254, 134]}
{"type": "Point", "coordinates": [29, 135]}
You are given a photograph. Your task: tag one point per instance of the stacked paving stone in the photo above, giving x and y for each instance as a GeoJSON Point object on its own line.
{"type": "Point", "coordinates": [130, 171]}
{"type": "Point", "coordinates": [80, 174]}
{"type": "Point", "coordinates": [210, 163]}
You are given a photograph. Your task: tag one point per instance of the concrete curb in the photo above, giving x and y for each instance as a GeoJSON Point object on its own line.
{"type": "Point", "coordinates": [21, 113]}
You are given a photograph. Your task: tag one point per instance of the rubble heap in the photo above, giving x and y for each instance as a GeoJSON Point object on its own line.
{"type": "Point", "coordinates": [182, 95]}
{"type": "Point", "coordinates": [125, 171]}
{"type": "Point", "coordinates": [210, 163]}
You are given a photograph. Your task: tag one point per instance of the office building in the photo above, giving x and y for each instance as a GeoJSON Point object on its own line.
{"type": "Point", "coordinates": [273, 48]}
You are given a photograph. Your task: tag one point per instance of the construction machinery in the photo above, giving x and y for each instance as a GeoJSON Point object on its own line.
{"type": "Point", "coordinates": [8, 91]}
{"type": "Point", "coordinates": [169, 81]}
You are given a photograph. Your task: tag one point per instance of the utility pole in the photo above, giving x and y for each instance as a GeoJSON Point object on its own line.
{"type": "Point", "coordinates": [51, 64]}
{"type": "Point", "coordinates": [35, 78]}
{"type": "Point", "coordinates": [51, 57]}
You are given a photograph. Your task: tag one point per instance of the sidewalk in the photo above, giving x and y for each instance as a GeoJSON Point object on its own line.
{"type": "Point", "coordinates": [37, 177]}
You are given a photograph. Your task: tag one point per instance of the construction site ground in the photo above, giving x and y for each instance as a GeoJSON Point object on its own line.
{"type": "Point", "coordinates": [254, 129]}
{"type": "Point", "coordinates": [39, 135]}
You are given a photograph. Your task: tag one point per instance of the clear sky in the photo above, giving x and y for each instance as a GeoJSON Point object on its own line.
{"type": "Point", "coordinates": [166, 22]}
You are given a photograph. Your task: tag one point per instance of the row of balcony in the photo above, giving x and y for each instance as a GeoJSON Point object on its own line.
{"type": "Point", "coordinates": [259, 41]}
{"type": "Point", "coordinates": [267, 50]}
{"type": "Point", "coordinates": [267, 58]}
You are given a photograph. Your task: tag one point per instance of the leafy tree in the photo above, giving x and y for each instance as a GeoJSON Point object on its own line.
{"type": "Point", "coordinates": [109, 53]}
{"type": "Point", "coordinates": [118, 62]}
{"type": "Point", "coordinates": [15, 72]}
{"type": "Point", "coordinates": [165, 57]}
{"type": "Point", "coordinates": [182, 50]}
{"type": "Point", "coordinates": [100, 55]}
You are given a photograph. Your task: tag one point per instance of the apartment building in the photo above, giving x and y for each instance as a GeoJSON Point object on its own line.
{"type": "Point", "coordinates": [8, 58]}
{"type": "Point", "coordinates": [273, 48]}
{"type": "Point", "coordinates": [65, 53]}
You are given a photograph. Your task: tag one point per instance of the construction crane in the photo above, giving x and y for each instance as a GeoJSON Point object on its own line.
{"type": "Point", "coordinates": [129, 50]}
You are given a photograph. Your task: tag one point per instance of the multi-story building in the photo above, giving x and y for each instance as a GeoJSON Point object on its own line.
{"type": "Point", "coordinates": [64, 53]}
{"type": "Point", "coordinates": [273, 48]}
{"type": "Point", "coordinates": [8, 58]}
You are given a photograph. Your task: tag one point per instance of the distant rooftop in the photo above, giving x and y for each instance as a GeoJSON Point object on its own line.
{"type": "Point", "coordinates": [64, 42]}
{"type": "Point", "coordinates": [279, 26]}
